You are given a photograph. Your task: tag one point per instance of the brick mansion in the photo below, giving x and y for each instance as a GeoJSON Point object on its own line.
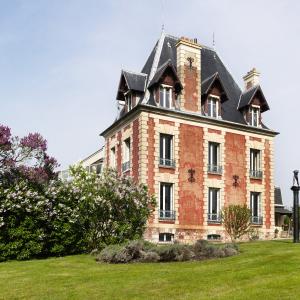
{"type": "Point", "coordinates": [196, 139]}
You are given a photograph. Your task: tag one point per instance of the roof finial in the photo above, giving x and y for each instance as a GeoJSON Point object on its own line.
{"type": "Point", "coordinates": [162, 16]}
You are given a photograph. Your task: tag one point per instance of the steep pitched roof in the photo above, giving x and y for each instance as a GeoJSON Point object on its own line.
{"type": "Point", "coordinates": [135, 81]}
{"type": "Point", "coordinates": [248, 95]}
{"type": "Point", "coordinates": [211, 64]}
{"type": "Point", "coordinates": [207, 84]}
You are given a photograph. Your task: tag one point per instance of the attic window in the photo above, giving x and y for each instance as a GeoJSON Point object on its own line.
{"type": "Point", "coordinates": [128, 100]}
{"type": "Point", "coordinates": [165, 96]}
{"type": "Point", "coordinates": [213, 107]}
{"type": "Point", "coordinates": [254, 112]}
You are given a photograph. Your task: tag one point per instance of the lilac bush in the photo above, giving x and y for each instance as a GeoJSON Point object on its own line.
{"type": "Point", "coordinates": [25, 157]}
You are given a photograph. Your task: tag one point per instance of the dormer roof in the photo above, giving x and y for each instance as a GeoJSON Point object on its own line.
{"type": "Point", "coordinates": [208, 83]}
{"type": "Point", "coordinates": [248, 95]}
{"type": "Point", "coordinates": [161, 71]}
{"type": "Point", "coordinates": [133, 82]}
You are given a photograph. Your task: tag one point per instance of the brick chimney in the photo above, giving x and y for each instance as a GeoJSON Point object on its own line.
{"type": "Point", "coordinates": [251, 79]}
{"type": "Point", "coordinates": [188, 70]}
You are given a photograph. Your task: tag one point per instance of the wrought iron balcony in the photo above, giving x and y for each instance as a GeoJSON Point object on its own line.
{"type": "Point", "coordinates": [214, 218]}
{"type": "Point", "coordinates": [166, 214]}
{"type": "Point", "coordinates": [256, 174]}
{"type": "Point", "coordinates": [256, 220]}
{"type": "Point", "coordinates": [165, 162]}
{"type": "Point", "coordinates": [125, 166]}
{"type": "Point", "coordinates": [215, 169]}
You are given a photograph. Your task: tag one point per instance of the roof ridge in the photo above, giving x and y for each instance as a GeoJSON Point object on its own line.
{"type": "Point", "coordinates": [210, 77]}
{"type": "Point", "coordinates": [136, 73]}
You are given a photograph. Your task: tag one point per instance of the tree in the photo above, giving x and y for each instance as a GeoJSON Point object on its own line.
{"type": "Point", "coordinates": [236, 220]}
{"type": "Point", "coordinates": [24, 158]}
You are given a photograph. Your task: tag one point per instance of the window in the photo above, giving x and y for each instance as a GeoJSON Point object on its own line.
{"type": "Point", "coordinates": [165, 96]}
{"type": "Point", "coordinates": [254, 116]}
{"type": "Point", "coordinates": [113, 157]}
{"type": "Point", "coordinates": [166, 150]}
{"type": "Point", "coordinates": [128, 99]}
{"type": "Point", "coordinates": [214, 205]}
{"type": "Point", "coordinates": [166, 237]}
{"type": "Point", "coordinates": [166, 202]}
{"type": "Point", "coordinates": [255, 163]}
{"type": "Point", "coordinates": [126, 156]}
{"type": "Point", "coordinates": [214, 158]}
{"type": "Point", "coordinates": [213, 107]}
{"type": "Point", "coordinates": [255, 207]}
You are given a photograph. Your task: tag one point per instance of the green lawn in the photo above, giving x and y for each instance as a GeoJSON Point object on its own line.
{"type": "Point", "coordinates": [263, 270]}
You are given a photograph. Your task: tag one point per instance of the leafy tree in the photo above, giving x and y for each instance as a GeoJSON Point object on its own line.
{"type": "Point", "coordinates": [236, 220]}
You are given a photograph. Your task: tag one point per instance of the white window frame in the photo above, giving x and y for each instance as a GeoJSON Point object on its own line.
{"type": "Point", "coordinates": [163, 137]}
{"type": "Point", "coordinates": [113, 157]}
{"type": "Point", "coordinates": [128, 97]}
{"type": "Point", "coordinates": [126, 151]}
{"type": "Point", "coordinates": [254, 119]}
{"type": "Point", "coordinates": [252, 194]}
{"type": "Point", "coordinates": [210, 199]}
{"type": "Point", "coordinates": [215, 99]}
{"type": "Point", "coordinates": [162, 185]}
{"type": "Point", "coordinates": [165, 88]}
{"type": "Point", "coordinates": [255, 160]}
{"type": "Point", "coordinates": [210, 151]}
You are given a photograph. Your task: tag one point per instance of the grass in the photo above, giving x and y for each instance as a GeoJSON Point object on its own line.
{"type": "Point", "coordinates": [263, 270]}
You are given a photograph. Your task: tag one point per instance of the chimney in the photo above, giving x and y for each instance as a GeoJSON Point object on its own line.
{"type": "Point", "coordinates": [251, 79]}
{"type": "Point", "coordinates": [189, 73]}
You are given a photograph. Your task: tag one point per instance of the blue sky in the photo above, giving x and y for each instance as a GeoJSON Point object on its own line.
{"type": "Point", "coordinates": [60, 63]}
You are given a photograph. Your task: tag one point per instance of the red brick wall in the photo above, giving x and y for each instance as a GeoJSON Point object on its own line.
{"type": "Point", "coordinates": [267, 161]}
{"type": "Point", "coordinates": [191, 89]}
{"type": "Point", "coordinates": [190, 156]}
{"type": "Point", "coordinates": [235, 164]}
{"type": "Point", "coordinates": [135, 149]}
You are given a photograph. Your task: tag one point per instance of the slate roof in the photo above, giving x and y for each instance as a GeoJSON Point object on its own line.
{"type": "Point", "coordinates": [277, 196]}
{"type": "Point", "coordinates": [211, 64]}
{"type": "Point", "coordinates": [135, 81]}
{"type": "Point", "coordinates": [160, 71]}
{"type": "Point", "coordinates": [248, 95]}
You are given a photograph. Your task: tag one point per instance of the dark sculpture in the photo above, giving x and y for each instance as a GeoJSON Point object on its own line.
{"type": "Point", "coordinates": [191, 172]}
{"type": "Point", "coordinates": [295, 179]}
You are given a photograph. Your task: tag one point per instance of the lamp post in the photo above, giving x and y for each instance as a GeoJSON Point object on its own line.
{"type": "Point", "coordinates": [295, 188]}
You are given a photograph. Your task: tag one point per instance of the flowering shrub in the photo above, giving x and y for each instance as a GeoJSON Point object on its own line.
{"type": "Point", "coordinates": [60, 217]}
{"type": "Point", "coordinates": [24, 158]}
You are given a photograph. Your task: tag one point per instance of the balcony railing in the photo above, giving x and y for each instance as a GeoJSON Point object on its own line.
{"type": "Point", "coordinates": [256, 220]}
{"type": "Point", "coordinates": [125, 166]}
{"type": "Point", "coordinates": [167, 162]}
{"type": "Point", "coordinates": [215, 169]}
{"type": "Point", "coordinates": [166, 214]}
{"type": "Point", "coordinates": [214, 218]}
{"type": "Point", "coordinates": [256, 174]}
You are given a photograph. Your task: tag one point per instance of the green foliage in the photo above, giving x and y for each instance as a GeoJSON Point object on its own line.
{"type": "Point", "coordinates": [61, 217]}
{"type": "Point", "coordinates": [236, 220]}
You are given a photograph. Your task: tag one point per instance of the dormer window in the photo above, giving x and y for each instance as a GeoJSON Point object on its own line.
{"type": "Point", "coordinates": [254, 116]}
{"type": "Point", "coordinates": [165, 96]}
{"type": "Point", "coordinates": [213, 106]}
{"type": "Point", "coordinates": [128, 100]}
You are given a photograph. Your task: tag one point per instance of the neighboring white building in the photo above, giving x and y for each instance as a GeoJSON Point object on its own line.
{"type": "Point", "coordinates": [92, 163]}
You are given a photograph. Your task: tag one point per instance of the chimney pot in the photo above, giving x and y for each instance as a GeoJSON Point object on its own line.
{"type": "Point", "coordinates": [251, 78]}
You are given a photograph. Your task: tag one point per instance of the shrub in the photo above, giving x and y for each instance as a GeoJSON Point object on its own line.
{"type": "Point", "coordinates": [236, 220]}
{"type": "Point", "coordinates": [149, 256]}
{"type": "Point", "coordinates": [174, 252]}
{"type": "Point", "coordinates": [230, 251]}
{"type": "Point", "coordinates": [109, 254]}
